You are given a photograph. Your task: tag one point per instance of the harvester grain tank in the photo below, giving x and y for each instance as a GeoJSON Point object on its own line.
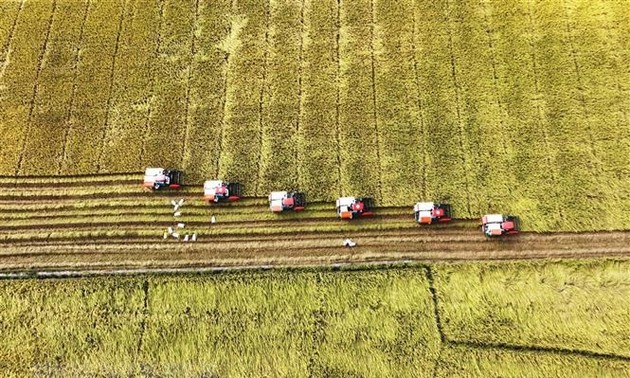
{"type": "Point", "coordinates": [287, 200]}
{"type": "Point", "coordinates": [431, 212]}
{"type": "Point", "coordinates": [498, 225]}
{"type": "Point", "coordinates": [221, 191]}
{"type": "Point", "coordinates": [159, 178]}
{"type": "Point", "coordinates": [351, 207]}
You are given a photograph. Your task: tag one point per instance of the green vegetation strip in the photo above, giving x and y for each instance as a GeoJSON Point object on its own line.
{"type": "Point", "coordinates": [369, 322]}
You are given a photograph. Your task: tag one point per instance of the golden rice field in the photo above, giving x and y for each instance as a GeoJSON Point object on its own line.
{"type": "Point", "coordinates": [559, 319]}
{"type": "Point", "coordinates": [516, 106]}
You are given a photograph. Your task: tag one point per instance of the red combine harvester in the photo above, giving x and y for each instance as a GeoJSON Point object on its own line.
{"type": "Point", "coordinates": [499, 225]}
{"type": "Point", "coordinates": [284, 201]}
{"type": "Point", "coordinates": [351, 208]}
{"type": "Point", "coordinates": [221, 191]}
{"type": "Point", "coordinates": [430, 212]}
{"type": "Point", "coordinates": [159, 178]}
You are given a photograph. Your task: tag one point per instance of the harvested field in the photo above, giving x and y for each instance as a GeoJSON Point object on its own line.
{"type": "Point", "coordinates": [516, 107]}
{"type": "Point", "coordinates": [110, 222]}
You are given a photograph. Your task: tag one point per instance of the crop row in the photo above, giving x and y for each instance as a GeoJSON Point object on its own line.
{"type": "Point", "coordinates": [138, 46]}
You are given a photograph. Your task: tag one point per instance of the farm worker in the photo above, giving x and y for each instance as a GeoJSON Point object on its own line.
{"type": "Point", "coordinates": [213, 220]}
{"type": "Point", "coordinates": [349, 243]}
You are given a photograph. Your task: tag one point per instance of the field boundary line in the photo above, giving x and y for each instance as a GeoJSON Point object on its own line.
{"type": "Point", "coordinates": [300, 99]}
{"type": "Point", "coordinates": [31, 109]}
{"type": "Point", "coordinates": [338, 97]}
{"type": "Point", "coordinates": [460, 126]}
{"type": "Point", "coordinates": [316, 334]}
{"type": "Point", "coordinates": [6, 47]}
{"type": "Point", "coordinates": [434, 298]}
{"type": "Point", "coordinates": [191, 65]}
{"type": "Point", "coordinates": [261, 101]}
{"type": "Point", "coordinates": [75, 74]}
{"type": "Point", "coordinates": [151, 94]}
{"type": "Point", "coordinates": [419, 105]}
{"type": "Point", "coordinates": [112, 78]}
{"type": "Point", "coordinates": [537, 349]}
{"type": "Point", "coordinates": [145, 315]}
{"type": "Point", "coordinates": [374, 109]}
{"type": "Point", "coordinates": [8, 274]}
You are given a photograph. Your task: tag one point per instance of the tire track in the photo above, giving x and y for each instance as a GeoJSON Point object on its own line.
{"type": "Point", "coordinates": [149, 223]}
{"type": "Point", "coordinates": [208, 264]}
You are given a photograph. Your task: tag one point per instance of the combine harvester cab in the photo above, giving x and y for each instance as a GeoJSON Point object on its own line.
{"type": "Point", "coordinates": [351, 207]}
{"type": "Point", "coordinates": [284, 201]}
{"type": "Point", "coordinates": [430, 212]}
{"type": "Point", "coordinates": [493, 225]}
{"type": "Point", "coordinates": [215, 191]}
{"type": "Point", "coordinates": [159, 178]}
